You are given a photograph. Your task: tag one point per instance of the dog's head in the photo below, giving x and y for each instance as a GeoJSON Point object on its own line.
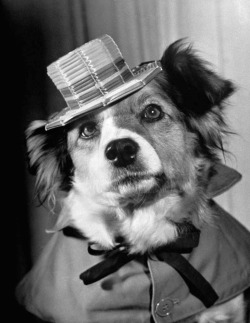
{"type": "Point", "coordinates": [141, 166]}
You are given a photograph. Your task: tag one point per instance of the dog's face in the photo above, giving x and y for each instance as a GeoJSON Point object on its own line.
{"type": "Point", "coordinates": [140, 167]}
{"type": "Point", "coordinates": [133, 148]}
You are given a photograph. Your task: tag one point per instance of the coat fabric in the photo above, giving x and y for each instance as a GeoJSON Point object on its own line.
{"type": "Point", "coordinates": [144, 288]}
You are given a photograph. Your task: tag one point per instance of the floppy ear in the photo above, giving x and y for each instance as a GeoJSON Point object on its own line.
{"type": "Point", "coordinates": [199, 93]}
{"type": "Point", "coordinates": [48, 159]}
{"type": "Point", "coordinates": [192, 86]}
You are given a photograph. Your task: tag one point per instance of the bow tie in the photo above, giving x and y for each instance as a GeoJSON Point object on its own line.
{"type": "Point", "coordinates": [171, 254]}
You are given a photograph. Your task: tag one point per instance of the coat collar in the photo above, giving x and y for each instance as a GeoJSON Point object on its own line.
{"type": "Point", "coordinates": [223, 179]}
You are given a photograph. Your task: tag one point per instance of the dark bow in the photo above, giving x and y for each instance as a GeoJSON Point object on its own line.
{"type": "Point", "coordinates": [170, 254]}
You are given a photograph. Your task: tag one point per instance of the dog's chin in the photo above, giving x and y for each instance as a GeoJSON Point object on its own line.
{"type": "Point", "coordinates": [137, 190]}
{"type": "Point", "coordinates": [132, 187]}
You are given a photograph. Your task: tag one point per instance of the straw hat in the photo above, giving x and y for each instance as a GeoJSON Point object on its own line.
{"type": "Point", "coordinates": [94, 76]}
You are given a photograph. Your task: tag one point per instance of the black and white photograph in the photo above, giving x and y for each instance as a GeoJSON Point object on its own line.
{"type": "Point", "coordinates": [126, 153]}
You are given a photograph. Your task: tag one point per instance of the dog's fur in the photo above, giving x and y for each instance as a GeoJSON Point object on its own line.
{"type": "Point", "coordinates": [176, 127]}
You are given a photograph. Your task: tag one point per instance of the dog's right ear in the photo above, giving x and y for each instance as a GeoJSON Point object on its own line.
{"type": "Point", "coordinates": [48, 158]}
{"type": "Point", "coordinates": [193, 87]}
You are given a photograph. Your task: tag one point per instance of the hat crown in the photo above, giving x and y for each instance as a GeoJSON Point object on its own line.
{"type": "Point", "coordinates": [93, 76]}
{"type": "Point", "coordinates": [89, 72]}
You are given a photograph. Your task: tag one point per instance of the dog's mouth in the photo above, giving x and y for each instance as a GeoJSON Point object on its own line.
{"type": "Point", "coordinates": [137, 188]}
{"type": "Point", "coordinates": [137, 180]}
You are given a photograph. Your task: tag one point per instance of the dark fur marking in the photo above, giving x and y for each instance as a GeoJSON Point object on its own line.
{"type": "Point", "coordinates": [192, 86]}
{"type": "Point", "coordinates": [55, 142]}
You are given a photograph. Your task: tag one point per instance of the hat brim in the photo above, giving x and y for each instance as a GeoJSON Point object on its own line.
{"type": "Point", "coordinates": [139, 80]}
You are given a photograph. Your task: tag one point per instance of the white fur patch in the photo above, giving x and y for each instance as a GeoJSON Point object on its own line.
{"type": "Point", "coordinates": [89, 214]}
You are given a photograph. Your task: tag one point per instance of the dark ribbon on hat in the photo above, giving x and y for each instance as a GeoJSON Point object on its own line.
{"type": "Point", "coordinates": [170, 254]}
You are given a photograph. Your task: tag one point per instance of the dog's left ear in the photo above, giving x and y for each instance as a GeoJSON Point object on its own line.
{"type": "Point", "coordinates": [192, 86]}
{"type": "Point", "coordinates": [48, 159]}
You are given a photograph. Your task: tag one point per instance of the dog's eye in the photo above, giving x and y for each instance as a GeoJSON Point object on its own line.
{"type": "Point", "coordinates": [152, 113]}
{"type": "Point", "coordinates": [88, 130]}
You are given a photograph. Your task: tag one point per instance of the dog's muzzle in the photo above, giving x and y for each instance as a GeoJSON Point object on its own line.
{"type": "Point", "coordinates": [122, 152]}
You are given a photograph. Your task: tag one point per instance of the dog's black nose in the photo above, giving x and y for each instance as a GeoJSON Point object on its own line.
{"type": "Point", "coordinates": [122, 152]}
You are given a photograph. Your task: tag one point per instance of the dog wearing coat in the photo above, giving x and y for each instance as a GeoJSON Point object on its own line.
{"type": "Point", "coordinates": [137, 174]}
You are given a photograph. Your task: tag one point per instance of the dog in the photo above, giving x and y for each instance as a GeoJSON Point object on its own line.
{"type": "Point", "coordinates": [138, 171]}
